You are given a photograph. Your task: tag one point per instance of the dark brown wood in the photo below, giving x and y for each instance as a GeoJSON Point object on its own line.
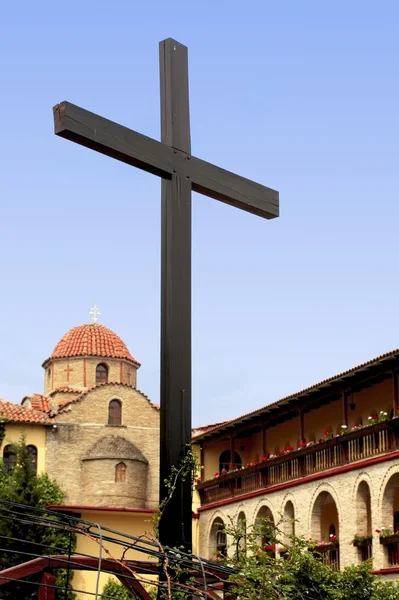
{"type": "Point", "coordinates": [264, 439]}
{"type": "Point", "coordinates": [175, 525]}
{"type": "Point", "coordinates": [102, 135]}
{"type": "Point", "coordinates": [47, 586]}
{"type": "Point", "coordinates": [395, 398]}
{"type": "Point", "coordinates": [202, 461]}
{"type": "Point", "coordinates": [345, 406]}
{"type": "Point", "coordinates": [301, 425]}
{"type": "Point", "coordinates": [232, 451]}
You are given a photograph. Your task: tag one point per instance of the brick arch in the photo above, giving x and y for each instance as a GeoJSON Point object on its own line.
{"type": "Point", "coordinates": [288, 497]}
{"type": "Point", "coordinates": [288, 512]}
{"type": "Point", "coordinates": [392, 470]}
{"type": "Point", "coordinates": [363, 508]}
{"type": "Point", "coordinates": [215, 537]}
{"type": "Point", "coordinates": [241, 509]}
{"type": "Point", "coordinates": [259, 505]}
{"type": "Point", "coordinates": [389, 499]}
{"type": "Point", "coordinates": [217, 514]}
{"type": "Point", "coordinates": [324, 513]}
{"type": "Point", "coordinates": [363, 476]}
{"type": "Point", "coordinates": [242, 532]}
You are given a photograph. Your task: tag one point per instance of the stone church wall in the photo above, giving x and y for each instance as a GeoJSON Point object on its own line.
{"type": "Point", "coordinates": [85, 422]}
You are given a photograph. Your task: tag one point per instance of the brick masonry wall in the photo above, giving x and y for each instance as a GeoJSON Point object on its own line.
{"type": "Point", "coordinates": [349, 501]}
{"type": "Point", "coordinates": [85, 422]}
{"type": "Point", "coordinates": [81, 372]}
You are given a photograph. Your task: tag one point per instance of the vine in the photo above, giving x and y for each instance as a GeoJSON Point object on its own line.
{"type": "Point", "coordinates": [184, 470]}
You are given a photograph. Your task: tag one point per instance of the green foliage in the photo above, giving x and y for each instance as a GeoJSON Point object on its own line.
{"type": "Point", "coordinates": [24, 487]}
{"type": "Point", "coordinates": [300, 574]}
{"type": "Point", "coordinates": [113, 589]}
{"type": "Point", "coordinates": [186, 469]}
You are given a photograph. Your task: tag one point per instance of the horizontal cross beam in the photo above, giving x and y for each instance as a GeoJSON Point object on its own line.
{"type": "Point", "coordinates": [129, 146]}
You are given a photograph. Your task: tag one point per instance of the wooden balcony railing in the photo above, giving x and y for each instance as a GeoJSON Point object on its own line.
{"type": "Point", "coordinates": [391, 544]}
{"type": "Point", "coordinates": [366, 442]}
{"type": "Point", "coordinates": [329, 554]}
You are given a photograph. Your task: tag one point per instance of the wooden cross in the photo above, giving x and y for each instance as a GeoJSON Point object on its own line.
{"type": "Point", "coordinates": [181, 173]}
{"type": "Point", "coordinates": [67, 371]}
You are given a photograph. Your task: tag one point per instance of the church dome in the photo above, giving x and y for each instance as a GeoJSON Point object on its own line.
{"type": "Point", "coordinates": [91, 340]}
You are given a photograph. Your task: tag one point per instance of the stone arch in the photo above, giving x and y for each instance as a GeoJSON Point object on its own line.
{"type": "Point", "coordinates": [217, 538]}
{"type": "Point", "coordinates": [261, 505]}
{"type": "Point", "coordinates": [288, 519]}
{"type": "Point", "coordinates": [390, 503]}
{"type": "Point", "coordinates": [363, 508]}
{"type": "Point", "coordinates": [265, 513]}
{"type": "Point", "coordinates": [324, 516]}
{"type": "Point", "coordinates": [241, 532]}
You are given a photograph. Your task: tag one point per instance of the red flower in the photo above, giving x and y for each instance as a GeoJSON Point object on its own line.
{"type": "Point", "coordinates": [270, 547]}
{"type": "Point", "coordinates": [255, 460]}
{"type": "Point", "coordinates": [216, 474]}
{"type": "Point", "coordinates": [326, 432]}
{"type": "Point", "coordinates": [303, 444]}
{"type": "Point", "coordinates": [249, 464]}
{"type": "Point", "coordinates": [378, 530]}
{"type": "Point", "coordinates": [264, 458]}
{"type": "Point", "coordinates": [289, 448]}
{"type": "Point", "coordinates": [224, 471]}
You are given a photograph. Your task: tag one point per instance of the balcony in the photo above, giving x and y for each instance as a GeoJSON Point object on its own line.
{"type": "Point", "coordinates": [366, 442]}
{"type": "Point", "coordinates": [391, 543]}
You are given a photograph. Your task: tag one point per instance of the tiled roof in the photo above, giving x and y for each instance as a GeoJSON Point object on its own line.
{"type": "Point", "coordinates": [91, 340]}
{"type": "Point", "coordinates": [37, 402]}
{"type": "Point", "coordinates": [21, 414]}
{"type": "Point", "coordinates": [374, 362]}
{"type": "Point", "coordinates": [65, 405]}
{"type": "Point", "coordinates": [66, 390]}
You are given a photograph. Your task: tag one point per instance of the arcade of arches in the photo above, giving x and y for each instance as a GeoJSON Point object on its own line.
{"type": "Point", "coordinates": [345, 523]}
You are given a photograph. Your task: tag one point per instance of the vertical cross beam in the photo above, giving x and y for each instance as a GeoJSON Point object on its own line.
{"type": "Point", "coordinates": [175, 525]}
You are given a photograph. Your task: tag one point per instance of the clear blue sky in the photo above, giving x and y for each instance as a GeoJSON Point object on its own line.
{"type": "Point", "coordinates": [300, 96]}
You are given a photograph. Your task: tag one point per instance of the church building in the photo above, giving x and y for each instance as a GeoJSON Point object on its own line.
{"type": "Point", "coordinates": [93, 432]}
{"type": "Point", "coordinates": [325, 459]}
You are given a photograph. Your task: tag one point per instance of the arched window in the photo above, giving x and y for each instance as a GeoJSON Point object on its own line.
{"type": "Point", "coordinates": [218, 540]}
{"type": "Point", "coordinates": [120, 472]}
{"type": "Point", "coordinates": [115, 413]}
{"type": "Point", "coordinates": [9, 458]}
{"type": "Point", "coordinates": [226, 463]}
{"type": "Point", "coordinates": [102, 373]}
{"type": "Point", "coordinates": [33, 461]}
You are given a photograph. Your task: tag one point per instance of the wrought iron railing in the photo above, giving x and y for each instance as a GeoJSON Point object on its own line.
{"type": "Point", "coordinates": [373, 440]}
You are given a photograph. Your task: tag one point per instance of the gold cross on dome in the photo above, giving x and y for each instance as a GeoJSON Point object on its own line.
{"type": "Point", "coordinates": [94, 312]}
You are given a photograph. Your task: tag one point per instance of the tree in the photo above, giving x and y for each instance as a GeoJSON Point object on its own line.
{"type": "Point", "coordinates": [298, 573]}
{"type": "Point", "coordinates": [22, 540]}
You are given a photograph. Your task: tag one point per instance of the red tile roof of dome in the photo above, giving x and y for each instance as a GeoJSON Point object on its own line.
{"type": "Point", "coordinates": [91, 340]}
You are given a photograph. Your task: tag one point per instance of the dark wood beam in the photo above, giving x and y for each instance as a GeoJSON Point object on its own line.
{"type": "Point", "coordinates": [124, 144]}
{"type": "Point", "coordinates": [175, 526]}
{"type": "Point", "coordinates": [345, 406]}
{"type": "Point", "coordinates": [395, 398]}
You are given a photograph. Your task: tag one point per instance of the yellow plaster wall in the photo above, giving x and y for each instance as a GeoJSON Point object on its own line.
{"type": "Point", "coordinates": [370, 400]}
{"type": "Point", "coordinates": [320, 419]}
{"type": "Point", "coordinates": [35, 435]}
{"type": "Point", "coordinates": [211, 457]}
{"type": "Point", "coordinates": [282, 435]}
{"type": "Point", "coordinates": [130, 523]}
